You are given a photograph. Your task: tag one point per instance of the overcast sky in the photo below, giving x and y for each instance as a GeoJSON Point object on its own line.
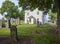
{"type": "Point", "coordinates": [14, 1]}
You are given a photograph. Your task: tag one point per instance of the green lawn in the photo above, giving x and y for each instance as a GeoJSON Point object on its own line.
{"type": "Point", "coordinates": [26, 30]}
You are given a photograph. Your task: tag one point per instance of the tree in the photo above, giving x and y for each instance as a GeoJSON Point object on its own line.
{"type": "Point", "coordinates": [53, 16]}
{"type": "Point", "coordinates": [42, 4]}
{"type": "Point", "coordinates": [11, 10]}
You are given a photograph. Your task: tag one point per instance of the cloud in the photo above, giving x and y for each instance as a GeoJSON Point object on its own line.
{"type": "Point", "coordinates": [0, 6]}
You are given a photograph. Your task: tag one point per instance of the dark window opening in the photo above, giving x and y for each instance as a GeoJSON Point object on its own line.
{"type": "Point", "coordinates": [38, 13]}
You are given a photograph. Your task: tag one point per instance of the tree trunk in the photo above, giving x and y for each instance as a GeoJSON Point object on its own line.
{"type": "Point", "coordinates": [57, 2]}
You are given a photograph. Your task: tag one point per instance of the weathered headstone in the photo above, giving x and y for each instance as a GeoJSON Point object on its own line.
{"type": "Point", "coordinates": [11, 20]}
{"type": "Point", "coordinates": [13, 32]}
{"type": "Point", "coordinates": [38, 24]}
{"type": "Point", "coordinates": [17, 21]}
{"type": "Point", "coordinates": [58, 32]}
{"type": "Point", "coordinates": [8, 23]}
{"type": "Point", "coordinates": [0, 23]}
{"type": "Point", "coordinates": [3, 23]}
{"type": "Point", "coordinates": [7, 26]}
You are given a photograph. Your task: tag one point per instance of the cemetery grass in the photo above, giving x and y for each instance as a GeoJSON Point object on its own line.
{"type": "Point", "coordinates": [26, 30]}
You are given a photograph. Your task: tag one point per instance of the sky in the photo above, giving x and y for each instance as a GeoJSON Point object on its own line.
{"type": "Point", "coordinates": [14, 1]}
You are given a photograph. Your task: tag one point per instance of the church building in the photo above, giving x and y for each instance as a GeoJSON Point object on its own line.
{"type": "Point", "coordinates": [31, 17]}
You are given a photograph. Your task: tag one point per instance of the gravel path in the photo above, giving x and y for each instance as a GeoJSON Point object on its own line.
{"type": "Point", "coordinates": [53, 24]}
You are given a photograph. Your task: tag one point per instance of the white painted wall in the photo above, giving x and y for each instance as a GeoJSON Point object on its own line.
{"type": "Point", "coordinates": [34, 14]}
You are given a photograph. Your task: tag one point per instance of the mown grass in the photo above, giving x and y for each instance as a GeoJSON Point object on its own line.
{"type": "Point", "coordinates": [25, 30]}
{"type": "Point", "coordinates": [4, 31]}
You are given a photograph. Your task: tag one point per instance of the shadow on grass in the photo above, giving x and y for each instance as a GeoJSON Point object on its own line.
{"type": "Point", "coordinates": [22, 40]}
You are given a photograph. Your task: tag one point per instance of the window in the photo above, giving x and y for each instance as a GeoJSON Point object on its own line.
{"type": "Point", "coordinates": [37, 12]}
{"type": "Point", "coordinates": [37, 19]}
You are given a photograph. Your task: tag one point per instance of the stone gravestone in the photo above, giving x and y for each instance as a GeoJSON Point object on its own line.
{"type": "Point", "coordinates": [0, 23]}
{"type": "Point", "coordinates": [11, 20]}
{"type": "Point", "coordinates": [3, 23]}
{"type": "Point", "coordinates": [7, 25]}
{"type": "Point", "coordinates": [13, 32]}
{"type": "Point", "coordinates": [17, 21]}
{"type": "Point", "coordinates": [58, 32]}
{"type": "Point", "coordinates": [38, 23]}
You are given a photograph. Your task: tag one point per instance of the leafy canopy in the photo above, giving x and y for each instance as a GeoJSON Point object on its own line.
{"type": "Point", "coordinates": [10, 8]}
{"type": "Point", "coordinates": [21, 15]}
{"type": "Point", "coordinates": [40, 4]}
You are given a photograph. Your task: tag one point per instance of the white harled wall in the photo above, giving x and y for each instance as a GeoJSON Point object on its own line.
{"type": "Point", "coordinates": [34, 14]}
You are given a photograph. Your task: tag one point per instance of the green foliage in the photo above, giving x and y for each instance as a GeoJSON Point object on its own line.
{"type": "Point", "coordinates": [41, 4]}
{"type": "Point", "coordinates": [21, 15]}
{"type": "Point", "coordinates": [53, 16]}
{"type": "Point", "coordinates": [54, 9]}
{"type": "Point", "coordinates": [10, 8]}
